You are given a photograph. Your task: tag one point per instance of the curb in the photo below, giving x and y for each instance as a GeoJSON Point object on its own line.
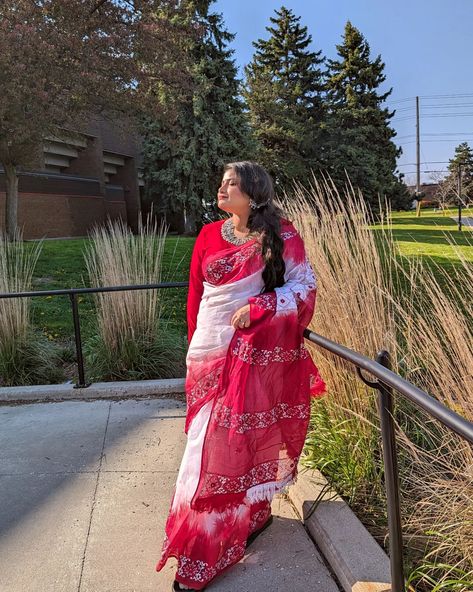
{"type": "Point", "coordinates": [355, 557]}
{"type": "Point", "coordinates": [97, 390]}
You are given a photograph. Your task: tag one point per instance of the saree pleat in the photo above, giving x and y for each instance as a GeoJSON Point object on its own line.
{"type": "Point", "coordinates": [205, 543]}
{"type": "Point", "coordinates": [248, 401]}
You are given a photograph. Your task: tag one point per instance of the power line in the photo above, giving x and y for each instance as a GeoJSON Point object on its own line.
{"type": "Point", "coordinates": [436, 115]}
{"type": "Point", "coordinates": [435, 103]}
{"type": "Point", "coordinates": [454, 139]}
{"type": "Point", "coordinates": [433, 97]}
{"type": "Point", "coordinates": [464, 95]}
{"type": "Point", "coordinates": [433, 141]}
{"type": "Point", "coordinates": [429, 171]}
{"type": "Point", "coordinates": [441, 106]}
{"type": "Point", "coordinates": [436, 134]}
{"type": "Point", "coordinates": [447, 134]}
{"type": "Point", "coordinates": [425, 162]}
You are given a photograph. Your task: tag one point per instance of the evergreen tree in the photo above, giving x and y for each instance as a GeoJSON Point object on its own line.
{"type": "Point", "coordinates": [358, 135]}
{"type": "Point", "coordinates": [183, 161]}
{"type": "Point", "coordinates": [283, 93]}
{"type": "Point", "coordinates": [461, 161]}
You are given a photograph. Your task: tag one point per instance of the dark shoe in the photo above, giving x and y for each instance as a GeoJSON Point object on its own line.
{"type": "Point", "coordinates": [253, 536]}
{"type": "Point", "coordinates": [176, 587]}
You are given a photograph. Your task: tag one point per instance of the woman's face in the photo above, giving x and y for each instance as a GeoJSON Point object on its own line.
{"type": "Point", "coordinates": [230, 197]}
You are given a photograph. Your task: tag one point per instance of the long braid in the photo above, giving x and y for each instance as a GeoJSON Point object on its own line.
{"type": "Point", "coordinates": [271, 247]}
{"type": "Point", "coordinates": [265, 218]}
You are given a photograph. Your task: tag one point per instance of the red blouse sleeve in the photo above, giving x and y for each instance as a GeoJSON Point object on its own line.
{"type": "Point", "coordinates": [196, 287]}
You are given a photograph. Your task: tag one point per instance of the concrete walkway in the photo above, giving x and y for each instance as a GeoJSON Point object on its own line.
{"type": "Point", "coordinates": [466, 220]}
{"type": "Point", "coordinates": [85, 489]}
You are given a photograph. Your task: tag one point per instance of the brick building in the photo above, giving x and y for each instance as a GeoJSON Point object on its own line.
{"type": "Point", "coordinates": [429, 193]}
{"type": "Point", "coordinates": [79, 180]}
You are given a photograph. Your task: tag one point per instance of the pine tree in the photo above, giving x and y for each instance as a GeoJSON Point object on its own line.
{"type": "Point", "coordinates": [462, 161]}
{"type": "Point", "coordinates": [358, 136]}
{"type": "Point", "coordinates": [183, 162]}
{"type": "Point", "coordinates": [283, 92]}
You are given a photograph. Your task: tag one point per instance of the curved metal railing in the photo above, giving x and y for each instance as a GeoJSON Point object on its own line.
{"type": "Point", "coordinates": [387, 381]}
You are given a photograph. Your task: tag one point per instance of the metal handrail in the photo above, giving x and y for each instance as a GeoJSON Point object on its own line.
{"type": "Point", "coordinates": [449, 418]}
{"type": "Point", "coordinates": [73, 293]}
{"type": "Point", "coordinates": [387, 381]}
{"type": "Point", "coordinates": [67, 291]}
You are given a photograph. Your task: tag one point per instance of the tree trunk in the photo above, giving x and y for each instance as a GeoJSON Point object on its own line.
{"type": "Point", "coordinates": [11, 202]}
{"type": "Point", "coordinates": [190, 222]}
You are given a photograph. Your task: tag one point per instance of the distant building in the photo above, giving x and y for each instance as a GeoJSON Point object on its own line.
{"type": "Point", "coordinates": [428, 191]}
{"type": "Point", "coordinates": [79, 182]}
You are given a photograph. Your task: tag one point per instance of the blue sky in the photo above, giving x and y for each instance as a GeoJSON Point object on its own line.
{"type": "Point", "coordinates": [425, 45]}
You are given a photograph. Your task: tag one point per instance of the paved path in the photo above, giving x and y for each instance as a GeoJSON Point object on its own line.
{"type": "Point", "coordinates": [85, 489]}
{"type": "Point", "coordinates": [466, 220]}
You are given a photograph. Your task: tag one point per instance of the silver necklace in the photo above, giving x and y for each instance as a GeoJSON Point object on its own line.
{"type": "Point", "coordinates": [228, 233]}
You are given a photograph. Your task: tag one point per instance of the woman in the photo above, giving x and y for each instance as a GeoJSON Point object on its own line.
{"type": "Point", "coordinates": [249, 378]}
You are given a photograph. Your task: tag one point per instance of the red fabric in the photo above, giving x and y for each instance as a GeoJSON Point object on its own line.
{"type": "Point", "coordinates": [257, 382]}
{"type": "Point", "coordinates": [202, 556]}
{"type": "Point", "coordinates": [261, 402]}
{"type": "Point", "coordinates": [196, 277]}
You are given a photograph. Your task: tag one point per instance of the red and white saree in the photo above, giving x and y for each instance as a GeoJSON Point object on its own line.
{"type": "Point", "coordinates": [248, 400]}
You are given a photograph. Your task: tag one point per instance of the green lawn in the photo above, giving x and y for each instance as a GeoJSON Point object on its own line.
{"type": "Point", "coordinates": [434, 238]}
{"type": "Point", "coordinates": [431, 234]}
{"type": "Point", "coordinates": [61, 265]}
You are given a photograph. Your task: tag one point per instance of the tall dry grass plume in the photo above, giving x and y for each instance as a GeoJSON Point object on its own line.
{"type": "Point", "coordinates": [25, 356]}
{"type": "Point", "coordinates": [369, 298]}
{"type": "Point", "coordinates": [132, 340]}
{"type": "Point", "coordinates": [17, 264]}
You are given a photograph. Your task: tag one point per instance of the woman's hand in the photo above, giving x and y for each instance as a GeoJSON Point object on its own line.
{"type": "Point", "coordinates": [241, 318]}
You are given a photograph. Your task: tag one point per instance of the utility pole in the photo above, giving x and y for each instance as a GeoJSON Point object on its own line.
{"type": "Point", "coordinates": [459, 196]}
{"type": "Point", "coordinates": [417, 158]}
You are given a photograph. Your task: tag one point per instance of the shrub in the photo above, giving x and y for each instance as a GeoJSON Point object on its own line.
{"type": "Point", "coordinates": [133, 340]}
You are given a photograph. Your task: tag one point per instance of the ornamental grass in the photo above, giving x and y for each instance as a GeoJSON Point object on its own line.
{"type": "Point", "coordinates": [371, 298]}
{"type": "Point", "coordinates": [133, 340]}
{"type": "Point", "coordinates": [26, 357]}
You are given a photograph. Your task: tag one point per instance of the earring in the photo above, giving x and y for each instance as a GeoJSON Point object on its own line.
{"type": "Point", "coordinates": [254, 205]}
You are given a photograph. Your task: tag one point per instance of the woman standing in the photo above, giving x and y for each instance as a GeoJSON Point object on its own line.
{"type": "Point", "coordinates": [249, 378]}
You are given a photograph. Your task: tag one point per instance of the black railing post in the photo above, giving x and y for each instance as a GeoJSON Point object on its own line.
{"type": "Point", "coordinates": [78, 340]}
{"type": "Point", "coordinates": [385, 408]}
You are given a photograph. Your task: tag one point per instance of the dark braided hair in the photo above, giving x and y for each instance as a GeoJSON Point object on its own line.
{"type": "Point", "coordinates": [266, 219]}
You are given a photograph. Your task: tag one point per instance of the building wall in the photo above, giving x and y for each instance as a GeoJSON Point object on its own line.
{"type": "Point", "coordinates": [52, 205]}
{"type": "Point", "coordinates": [79, 194]}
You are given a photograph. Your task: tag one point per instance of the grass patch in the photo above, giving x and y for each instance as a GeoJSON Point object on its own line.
{"type": "Point", "coordinates": [62, 265]}
{"type": "Point", "coordinates": [433, 238]}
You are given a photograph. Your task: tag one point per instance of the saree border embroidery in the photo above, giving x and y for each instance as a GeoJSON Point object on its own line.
{"type": "Point", "coordinates": [259, 517]}
{"type": "Point", "coordinates": [243, 422]}
{"type": "Point", "coordinates": [262, 357]}
{"type": "Point", "coordinates": [217, 269]}
{"type": "Point", "coordinates": [204, 385]}
{"type": "Point", "coordinates": [200, 571]}
{"type": "Point", "coordinates": [262, 473]}
{"type": "Point", "coordinates": [266, 301]}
